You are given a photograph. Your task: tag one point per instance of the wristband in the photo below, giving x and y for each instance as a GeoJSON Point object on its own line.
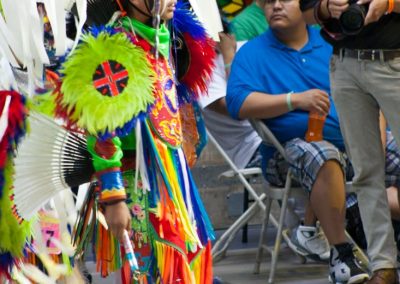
{"type": "Point", "coordinates": [390, 6]}
{"type": "Point", "coordinates": [228, 65]}
{"type": "Point", "coordinates": [289, 100]}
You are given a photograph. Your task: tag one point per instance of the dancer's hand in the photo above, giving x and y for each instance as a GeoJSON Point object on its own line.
{"type": "Point", "coordinates": [118, 219]}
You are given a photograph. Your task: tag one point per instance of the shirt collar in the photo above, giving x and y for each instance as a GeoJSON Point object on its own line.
{"type": "Point", "coordinates": [314, 41]}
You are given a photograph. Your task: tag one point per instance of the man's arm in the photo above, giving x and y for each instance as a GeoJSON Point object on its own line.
{"type": "Point", "coordinates": [261, 105]}
{"type": "Point", "coordinates": [317, 12]}
{"type": "Point", "coordinates": [326, 9]}
{"type": "Point", "coordinates": [217, 87]}
{"type": "Point", "coordinates": [378, 8]}
{"type": "Point", "coordinates": [219, 106]}
{"type": "Point", "coordinates": [227, 46]}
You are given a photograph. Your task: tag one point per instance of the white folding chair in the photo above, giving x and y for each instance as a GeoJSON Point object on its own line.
{"type": "Point", "coordinates": [283, 194]}
{"type": "Point", "coordinates": [221, 245]}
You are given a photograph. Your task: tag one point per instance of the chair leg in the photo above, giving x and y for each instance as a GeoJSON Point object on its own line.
{"type": "Point", "coordinates": [245, 207]}
{"type": "Point", "coordinates": [262, 236]}
{"type": "Point", "coordinates": [278, 239]}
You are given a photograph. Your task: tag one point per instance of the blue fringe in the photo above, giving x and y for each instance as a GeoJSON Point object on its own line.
{"type": "Point", "coordinates": [201, 129]}
{"type": "Point", "coordinates": [185, 21]}
{"type": "Point", "coordinates": [204, 226]}
{"type": "Point", "coordinates": [2, 182]}
{"type": "Point", "coordinates": [122, 131]}
{"type": "Point", "coordinates": [6, 262]}
{"type": "Point", "coordinates": [97, 30]}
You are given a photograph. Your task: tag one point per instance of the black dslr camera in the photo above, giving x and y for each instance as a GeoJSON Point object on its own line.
{"type": "Point", "coordinates": [352, 20]}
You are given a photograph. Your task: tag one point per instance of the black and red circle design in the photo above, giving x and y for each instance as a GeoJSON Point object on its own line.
{"type": "Point", "coordinates": [110, 78]}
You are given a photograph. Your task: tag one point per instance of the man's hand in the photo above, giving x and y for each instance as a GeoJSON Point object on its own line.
{"type": "Point", "coordinates": [336, 7]}
{"type": "Point", "coordinates": [118, 219]}
{"type": "Point", "coordinates": [313, 100]}
{"type": "Point", "coordinates": [377, 8]}
{"type": "Point", "coordinates": [227, 46]}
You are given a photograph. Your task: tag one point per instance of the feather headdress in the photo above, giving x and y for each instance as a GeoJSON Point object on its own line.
{"type": "Point", "coordinates": [193, 50]}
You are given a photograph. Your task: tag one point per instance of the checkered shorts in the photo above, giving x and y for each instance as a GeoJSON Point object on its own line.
{"type": "Point", "coordinates": [306, 159]}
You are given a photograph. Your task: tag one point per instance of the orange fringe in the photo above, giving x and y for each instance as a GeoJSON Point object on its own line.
{"type": "Point", "coordinates": [174, 266]}
{"type": "Point", "coordinates": [202, 266]}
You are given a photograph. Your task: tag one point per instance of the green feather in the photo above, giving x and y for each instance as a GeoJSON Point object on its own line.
{"type": "Point", "coordinates": [44, 104]}
{"type": "Point", "coordinates": [13, 236]}
{"type": "Point", "coordinates": [88, 107]}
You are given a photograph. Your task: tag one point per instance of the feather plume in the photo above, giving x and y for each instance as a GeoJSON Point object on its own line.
{"type": "Point", "coordinates": [194, 52]}
{"type": "Point", "coordinates": [48, 161]}
{"type": "Point", "coordinates": [14, 234]}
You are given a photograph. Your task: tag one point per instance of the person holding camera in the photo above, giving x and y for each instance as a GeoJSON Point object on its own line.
{"type": "Point", "coordinates": [365, 77]}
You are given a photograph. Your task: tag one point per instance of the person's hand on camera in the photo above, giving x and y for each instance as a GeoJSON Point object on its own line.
{"type": "Point", "coordinates": [377, 8]}
{"type": "Point", "coordinates": [336, 7]}
{"type": "Point", "coordinates": [118, 219]}
{"type": "Point", "coordinates": [227, 46]}
{"type": "Point", "coordinates": [313, 100]}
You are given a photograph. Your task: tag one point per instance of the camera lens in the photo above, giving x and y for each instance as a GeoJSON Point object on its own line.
{"type": "Point", "coordinates": [352, 20]}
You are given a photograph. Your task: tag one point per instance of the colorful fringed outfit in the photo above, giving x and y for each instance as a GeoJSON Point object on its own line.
{"type": "Point", "coordinates": [125, 97]}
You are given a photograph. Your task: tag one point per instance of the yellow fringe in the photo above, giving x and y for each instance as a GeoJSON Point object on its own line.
{"type": "Point", "coordinates": [189, 229]}
{"type": "Point", "coordinates": [167, 260]}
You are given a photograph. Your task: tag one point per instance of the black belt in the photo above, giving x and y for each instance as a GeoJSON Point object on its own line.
{"type": "Point", "coordinates": [368, 54]}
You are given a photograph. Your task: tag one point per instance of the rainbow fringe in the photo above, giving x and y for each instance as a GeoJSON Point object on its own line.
{"type": "Point", "coordinates": [180, 231]}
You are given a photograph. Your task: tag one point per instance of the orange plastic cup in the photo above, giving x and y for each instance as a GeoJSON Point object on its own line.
{"type": "Point", "coordinates": [316, 124]}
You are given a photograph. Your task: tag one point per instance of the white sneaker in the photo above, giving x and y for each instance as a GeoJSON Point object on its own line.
{"type": "Point", "coordinates": [344, 268]}
{"type": "Point", "coordinates": [310, 242]}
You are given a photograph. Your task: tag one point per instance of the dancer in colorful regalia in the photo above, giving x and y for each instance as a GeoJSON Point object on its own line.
{"type": "Point", "coordinates": [118, 85]}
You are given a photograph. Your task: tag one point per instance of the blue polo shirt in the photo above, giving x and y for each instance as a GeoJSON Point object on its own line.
{"type": "Point", "coordinates": [266, 65]}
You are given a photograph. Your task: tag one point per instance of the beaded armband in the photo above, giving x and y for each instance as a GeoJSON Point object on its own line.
{"type": "Point", "coordinates": [111, 184]}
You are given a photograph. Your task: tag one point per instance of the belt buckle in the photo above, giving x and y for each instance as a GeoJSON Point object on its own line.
{"type": "Point", "coordinates": [361, 53]}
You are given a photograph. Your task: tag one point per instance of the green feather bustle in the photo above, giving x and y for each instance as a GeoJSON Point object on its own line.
{"type": "Point", "coordinates": [85, 104]}
{"type": "Point", "coordinates": [13, 236]}
{"type": "Point", "coordinates": [44, 104]}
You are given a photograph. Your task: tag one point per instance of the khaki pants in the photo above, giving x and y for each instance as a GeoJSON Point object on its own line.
{"type": "Point", "coordinates": [360, 88]}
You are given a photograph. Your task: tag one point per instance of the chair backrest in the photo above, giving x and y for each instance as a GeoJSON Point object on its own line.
{"type": "Point", "coordinates": [267, 136]}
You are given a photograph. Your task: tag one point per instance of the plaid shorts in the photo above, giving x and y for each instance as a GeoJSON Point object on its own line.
{"type": "Point", "coordinates": [306, 159]}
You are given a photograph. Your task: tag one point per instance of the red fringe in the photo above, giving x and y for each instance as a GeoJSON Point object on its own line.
{"type": "Point", "coordinates": [16, 116]}
{"type": "Point", "coordinates": [62, 112]}
{"type": "Point", "coordinates": [202, 54]}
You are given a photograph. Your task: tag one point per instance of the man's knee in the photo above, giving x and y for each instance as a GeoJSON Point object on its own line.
{"type": "Point", "coordinates": [312, 158]}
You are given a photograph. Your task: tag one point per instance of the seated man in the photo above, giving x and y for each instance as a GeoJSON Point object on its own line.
{"type": "Point", "coordinates": [280, 77]}
{"type": "Point", "coordinates": [241, 143]}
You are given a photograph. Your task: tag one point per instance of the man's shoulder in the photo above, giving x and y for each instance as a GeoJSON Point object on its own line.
{"type": "Point", "coordinates": [254, 45]}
